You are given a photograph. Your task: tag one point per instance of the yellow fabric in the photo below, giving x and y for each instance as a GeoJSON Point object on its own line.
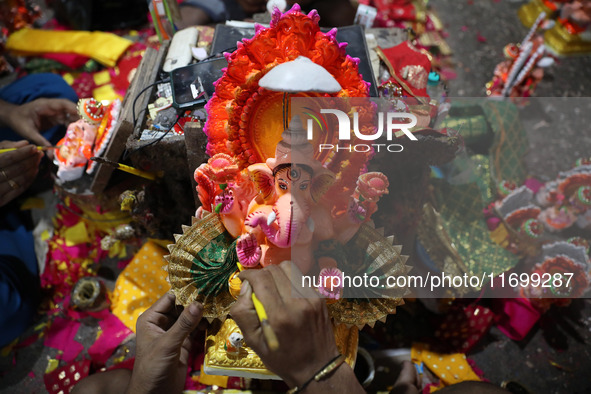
{"type": "Point", "coordinates": [76, 234]}
{"type": "Point", "coordinates": [162, 242]}
{"type": "Point", "coordinates": [140, 284]}
{"type": "Point", "coordinates": [33, 203]}
{"type": "Point", "coordinates": [101, 78]}
{"type": "Point", "coordinates": [449, 368]}
{"type": "Point", "coordinates": [212, 380]}
{"type": "Point", "coordinates": [45, 235]}
{"type": "Point", "coordinates": [500, 235]}
{"type": "Point", "coordinates": [105, 92]}
{"type": "Point", "coordinates": [105, 48]}
{"type": "Point", "coordinates": [52, 365]}
{"type": "Point", "coordinates": [69, 78]}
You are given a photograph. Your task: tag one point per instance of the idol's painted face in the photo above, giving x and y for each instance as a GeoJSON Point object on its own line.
{"type": "Point", "coordinates": [294, 180]}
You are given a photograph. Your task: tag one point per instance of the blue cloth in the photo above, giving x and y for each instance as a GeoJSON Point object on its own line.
{"type": "Point", "coordinates": [31, 87]}
{"type": "Point", "coordinates": [19, 274]}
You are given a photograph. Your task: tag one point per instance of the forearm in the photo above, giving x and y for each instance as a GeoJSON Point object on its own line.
{"type": "Point", "coordinates": [342, 380]}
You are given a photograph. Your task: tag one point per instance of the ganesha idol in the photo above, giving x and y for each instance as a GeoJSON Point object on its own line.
{"type": "Point", "coordinates": [268, 196]}
{"type": "Point", "coordinates": [516, 225]}
{"type": "Point", "coordinates": [86, 137]}
{"type": "Point", "coordinates": [75, 150]}
{"type": "Point", "coordinates": [567, 200]}
{"type": "Point", "coordinates": [276, 214]}
{"type": "Point", "coordinates": [285, 217]}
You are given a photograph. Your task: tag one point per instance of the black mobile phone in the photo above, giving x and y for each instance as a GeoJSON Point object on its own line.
{"type": "Point", "coordinates": [192, 85]}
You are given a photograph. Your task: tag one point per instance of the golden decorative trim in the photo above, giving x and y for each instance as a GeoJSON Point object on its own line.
{"type": "Point", "coordinates": [560, 41]}
{"type": "Point", "coordinates": [179, 268]}
{"type": "Point", "coordinates": [246, 362]}
{"type": "Point", "coordinates": [528, 13]}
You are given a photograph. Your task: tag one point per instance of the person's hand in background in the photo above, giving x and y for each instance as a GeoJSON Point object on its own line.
{"type": "Point", "coordinates": [162, 346]}
{"type": "Point", "coordinates": [333, 13]}
{"type": "Point", "coordinates": [30, 119]}
{"type": "Point", "coordinates": [253, 6]}
{"type": "Point", "coordinates": [18, 169]}
{"type": "Point", "coordinates": [299, 318]}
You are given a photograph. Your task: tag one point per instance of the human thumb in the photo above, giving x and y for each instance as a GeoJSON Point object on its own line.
{"type": "Point", "coordinates": [185, 324]}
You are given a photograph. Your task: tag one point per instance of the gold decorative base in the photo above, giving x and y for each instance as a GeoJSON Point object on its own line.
{"type": "Point", "coordinates": [561, 42]}
{"type": "Point", "coordinates": [245, 363]}
{"type": "Point", "coordinates": [528, 13]}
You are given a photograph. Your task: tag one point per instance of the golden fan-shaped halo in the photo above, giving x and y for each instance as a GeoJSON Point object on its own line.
{"type": "Point", "coordinates": [367, 312]}
{"type": "Point", "coordinates": [384, 259]}
{"type": "Point", "coordinates": [181, 272]}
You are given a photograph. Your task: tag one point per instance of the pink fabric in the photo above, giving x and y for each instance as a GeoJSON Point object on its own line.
{"type": "Point", "coordinates": [533, 184]}
{"type": "Point", "coordinates": [493, 222]}
{"type": "Point", "coordinates": [114, 332]}
{"type": "Point", "coordinates": [516, 317]}
{"type": "Point", "coordinates": [61, 336]}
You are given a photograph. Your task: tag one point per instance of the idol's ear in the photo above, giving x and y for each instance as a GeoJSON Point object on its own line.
{"type": "Point", "coordinates": [262, 176]}
{"type": "Point", "coordinates": [321, 182]}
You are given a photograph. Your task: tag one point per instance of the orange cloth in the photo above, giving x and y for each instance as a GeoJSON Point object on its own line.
{"type": "Point", "coordinates": [105, 48]}
{"type": "Point", "coordinates": [449, 368]}
{"type": "Point", "coordinates": [140, 284]}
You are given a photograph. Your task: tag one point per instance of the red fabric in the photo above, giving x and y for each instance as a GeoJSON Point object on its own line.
{"type": "Point", "coordinates": [402, 56]}
{"type": "Point", "coordinates": [392, 11]}
{"type": "Point", "coordinates": [70, 60]}
{"type": "Point", "coordinates": [463, 327]}
{"type": "Point", "coordinates": [122, 74]}
{"type": "Point", "coordinates": [84, 85]}
{"type": "Point", "coordinates": [63, 379]}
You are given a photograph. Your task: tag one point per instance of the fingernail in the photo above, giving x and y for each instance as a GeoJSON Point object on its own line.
{"type": "Point", "coordinates": [244, 287]}
{"type": "Point", "coordinates": [195, 309]}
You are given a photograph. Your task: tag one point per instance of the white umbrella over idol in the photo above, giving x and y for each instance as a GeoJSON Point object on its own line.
{"type": "Point", "coordinates": [299, 75]}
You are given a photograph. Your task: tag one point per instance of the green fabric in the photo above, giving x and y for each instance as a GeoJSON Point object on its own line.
{"type": "Point", "coordinates": [510, 143]}
{"type": "Point", "coordinates": [460, 207]}
{"type": "Point", "coordinates": [42, 65]}
{"type": "Point", "coordinates": [472, 179]}
{"type": "Point", "coordinates": [492, 129]}
{"type": "Point", "coordinates": [215, 264]}
{"type": "Point", "coordinates": [475, 130]}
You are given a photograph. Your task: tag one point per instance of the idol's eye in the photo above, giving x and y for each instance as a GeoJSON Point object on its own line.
{"type": "Point", "coordinates": [294, 174]}
{"type": "Point", "coordinates": [304, 186]}
{"type": "Point", "coordinates": [282, 185]}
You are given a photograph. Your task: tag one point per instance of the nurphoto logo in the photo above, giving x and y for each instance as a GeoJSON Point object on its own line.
{"type": "Point", "coordinates": [387, 122]}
